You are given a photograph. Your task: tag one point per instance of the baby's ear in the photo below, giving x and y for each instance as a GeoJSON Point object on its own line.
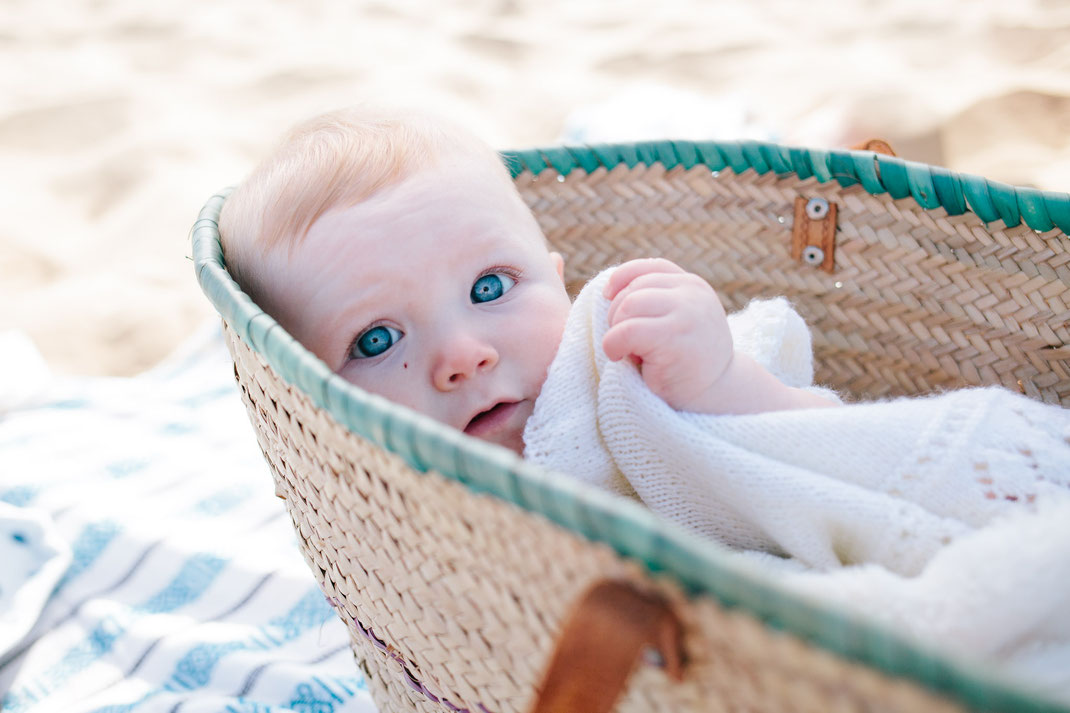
{"type": "Point", "coordinates": [559, 264]}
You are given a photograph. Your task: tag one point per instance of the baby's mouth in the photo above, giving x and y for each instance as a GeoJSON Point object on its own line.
{"type": "Point", "coordinates": [493, 419]}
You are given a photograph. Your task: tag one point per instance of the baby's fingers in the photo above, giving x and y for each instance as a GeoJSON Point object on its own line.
{"type": "Point", "coordinates": [639, 337]}
{"type": "Point", "coordinates": [643, 301]}
{"type": "Point", "coordinates": [623, 275]}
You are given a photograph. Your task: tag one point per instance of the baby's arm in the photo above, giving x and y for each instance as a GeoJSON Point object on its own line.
{"type": "Point", "coordinates": [672, 325]}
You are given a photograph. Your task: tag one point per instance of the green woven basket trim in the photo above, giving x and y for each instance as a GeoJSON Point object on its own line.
{"type": "Point", "coordinates": [257, 329]}
{"type": "Point", "coordinates": [567, 512]}
{"type": "Point", "coordinates": [778, 157]}
{"type": "Point", "coordinates": [213, 252]}
{"type": "Point", "coordinates": [700, 566]}
{"type": "Point", "coordinates": [535, 494]}
{"type": "Point", "coordinates": [362, 416]}
{"type": "Point", "coordinates": [587, 159]}
{"type": "Point", "coordinates": [754, 157]}
{"type": "Point", "coordinates": [665, 154]}
{"type": "Point", "coordinates": [287, 357]}
{"type": "Point", "coordinates": [842, 166]}
{"type": "Point", "coordinates": [930, 186]}
{"type": "Point", "coordinates": [244, 312]}
{"type": "Point", "coordinates": [975, 190]}
{"type": "Point", "coordinates": [819, 163]}
{"type": "Point", "coordinates": [646, 153]}
{"type": "Point", "coordinates": [734, 155]}
{"type": "Point", "coordinates": [1032, 206]}
{"type": "Point", "coordinates": [606, 155]}
{"type": "Point", "coordinates": [865, 167]}
{"type": "Point", "coordinates": [489, 470]}
{"type": "Point", "coordinates": [1058, 209]}
{"type": "Point", "coordinates": [893, 174]}
{"type": "Point", "coordinates": [1005, 199]}
{"type": "Point", "coordinates": [401, 439]}
{"type": "Point", "coordinates": [561, 159]}
{"type": "Point", "coordinates": [530, 160]}
{"type": "Point", "coordinates": [921, 185]}
{"type": "Point", "coordinates": [948, 191]}
{"type": "Point", "coordinates": [800, 160]}
{"type": "Point", "coordinates": [312, 376]}
{"type": "Point", "coordinates": [712, 155]}
{"type": "Point", "coordinates": [612, 155]}
{"type": "Point", "coordinates": [629, 155]}
{"type": "Point", "coordinates": [686, 153]}
{"type": "Point", "coordinates": [516, 166]}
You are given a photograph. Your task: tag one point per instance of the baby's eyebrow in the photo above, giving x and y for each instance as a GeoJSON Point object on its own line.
{"type": "Point", "coordinates": [357, 315]}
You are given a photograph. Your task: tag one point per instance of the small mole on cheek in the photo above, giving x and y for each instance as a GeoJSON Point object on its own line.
{"type": "Point", "coordinates": [406, 365]}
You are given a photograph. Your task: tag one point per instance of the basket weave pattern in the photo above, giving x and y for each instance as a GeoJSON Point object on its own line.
{"type": "Point", "coordinates": [919, 301]}
{"type": "Point", "coordinates": [466, 592]}
{"type": "Point", "coordinates": [454, 599]}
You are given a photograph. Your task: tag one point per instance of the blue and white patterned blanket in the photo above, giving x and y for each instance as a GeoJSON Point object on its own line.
{"type": "Point", "coordinates": [186, 591]}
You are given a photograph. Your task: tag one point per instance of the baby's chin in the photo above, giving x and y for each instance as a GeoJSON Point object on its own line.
{"type": "Point", "coordinates": [503, 425]}
{"type": "Point", "coordinates": [516, 444]}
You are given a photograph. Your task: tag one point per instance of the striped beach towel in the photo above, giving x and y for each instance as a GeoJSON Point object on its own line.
{"type": "Point", "coordinates": [186, 591]}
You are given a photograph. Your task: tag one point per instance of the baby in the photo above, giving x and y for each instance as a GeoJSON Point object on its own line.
{"type": "Point", "coordinates": [397, 249]}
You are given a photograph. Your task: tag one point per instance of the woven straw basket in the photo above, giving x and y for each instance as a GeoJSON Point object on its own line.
{"type": "Point", "coordinates": [455, 565]}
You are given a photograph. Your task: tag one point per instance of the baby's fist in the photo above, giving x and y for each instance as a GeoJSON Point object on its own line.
{"type": "Point", "coordinates": [671, 324]}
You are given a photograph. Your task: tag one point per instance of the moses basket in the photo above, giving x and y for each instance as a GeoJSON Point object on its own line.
{"type": "Point", "coordinates": [456, 566]}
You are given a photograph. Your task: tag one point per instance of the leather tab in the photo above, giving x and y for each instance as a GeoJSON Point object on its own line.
{"type": "Point", "coordinates": [601, 645]}
{"type": "Point", "coordinates": [810, 233]}
{"type": "Point", "coordinates": [875, 145]}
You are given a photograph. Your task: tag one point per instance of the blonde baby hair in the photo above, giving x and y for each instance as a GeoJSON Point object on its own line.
{"type": "Point", "coordinates": [332, 161]}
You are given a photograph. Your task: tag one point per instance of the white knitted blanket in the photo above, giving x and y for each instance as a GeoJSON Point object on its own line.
{"type": "Point", "coordinates": [947, 517]}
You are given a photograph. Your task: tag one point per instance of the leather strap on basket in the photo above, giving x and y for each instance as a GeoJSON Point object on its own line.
{"type": "Point", "coordinates": [875, 145]}
{"type": "Point", "coordinates": [813, 231]}
{"type": "Point", "coordinates": [602, 643]}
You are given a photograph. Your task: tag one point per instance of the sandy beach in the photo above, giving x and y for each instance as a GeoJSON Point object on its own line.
{"type": "Point", "coordinates": [119, 118]}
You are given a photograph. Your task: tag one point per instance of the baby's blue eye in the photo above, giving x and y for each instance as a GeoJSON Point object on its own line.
{"type": "Point", "coordinates": [375, 341]}
{"type": "Point", "coordinates": [490, 287]}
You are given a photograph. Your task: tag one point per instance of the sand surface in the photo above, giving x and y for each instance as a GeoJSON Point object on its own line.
{"type": "Point", "coordinates": [118, 118]}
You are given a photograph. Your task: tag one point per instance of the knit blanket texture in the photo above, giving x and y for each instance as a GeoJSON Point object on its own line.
{"type": "Point", "coordinates": [945, 517]}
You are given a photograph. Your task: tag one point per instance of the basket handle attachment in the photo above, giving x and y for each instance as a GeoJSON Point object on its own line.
{"type": "Point", "coordinates": [607, 633]}
{"type": "Point", "coordinates": [876, 146]}
{"type": "Point", "coordinates": [813, 232]}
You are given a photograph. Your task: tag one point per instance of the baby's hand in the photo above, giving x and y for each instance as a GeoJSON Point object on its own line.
{"type": "Point", "coordinates": [671, 323]}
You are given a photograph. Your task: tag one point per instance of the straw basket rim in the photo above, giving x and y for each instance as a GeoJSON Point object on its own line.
{"type": "Point", "coordinates": [663, 547]}
{"type": "Point", "coordinates": [930, 186]}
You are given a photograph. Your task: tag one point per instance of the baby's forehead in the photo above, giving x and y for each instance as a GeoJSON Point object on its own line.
{"type": "Point", "coordinates": [471, 190]}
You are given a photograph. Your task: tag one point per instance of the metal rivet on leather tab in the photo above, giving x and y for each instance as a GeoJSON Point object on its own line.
{"type": "Point", "coordinates": [813, 233]}
{"type": "Point", "coordinates": [813, 255]}
{"type": "Point", "coordinates": [817, 208]}
{"type": "Point", "coordinates": [653, 657]}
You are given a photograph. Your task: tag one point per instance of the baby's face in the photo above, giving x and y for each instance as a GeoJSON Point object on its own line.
{"type": "Point", "coordinates": [439, 294]}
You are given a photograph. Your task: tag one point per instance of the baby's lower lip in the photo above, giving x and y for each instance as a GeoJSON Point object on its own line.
{"type": "Point", "coordinates": [490, 422]}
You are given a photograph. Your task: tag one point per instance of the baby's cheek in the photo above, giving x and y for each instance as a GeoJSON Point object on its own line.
{"type": "Point", "coordinates": [554, 314]}
{"type": "Point", "coordinates": [398, 388]}
{"type": "Point", "coordinates": [546, 332]}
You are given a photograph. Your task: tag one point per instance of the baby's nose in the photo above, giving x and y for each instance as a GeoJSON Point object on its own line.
{"type": "Point", "coordinates": [462, 359]}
